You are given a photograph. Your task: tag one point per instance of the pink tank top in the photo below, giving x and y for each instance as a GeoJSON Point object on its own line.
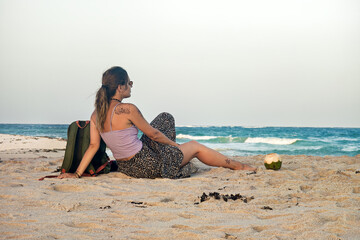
{"type": "Point", "coordinates": [122, 143]}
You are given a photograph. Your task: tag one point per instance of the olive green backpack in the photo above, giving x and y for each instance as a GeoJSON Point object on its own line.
{"type": "Point", "coordinates": [78, 141]}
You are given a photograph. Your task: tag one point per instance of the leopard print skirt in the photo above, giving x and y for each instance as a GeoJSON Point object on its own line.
{"type": "Point", "coordinates": [155, 159]}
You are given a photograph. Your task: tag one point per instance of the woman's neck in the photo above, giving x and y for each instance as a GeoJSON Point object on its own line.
{"type": "Point", "coordinates": [117, 97]}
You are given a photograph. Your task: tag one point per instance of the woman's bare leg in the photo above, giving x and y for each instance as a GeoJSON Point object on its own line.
{"type": "Point", "coordinates": [210, 157]}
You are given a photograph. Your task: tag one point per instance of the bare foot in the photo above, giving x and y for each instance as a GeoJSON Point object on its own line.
{"type": "Point", "coordinates": [246, 167]}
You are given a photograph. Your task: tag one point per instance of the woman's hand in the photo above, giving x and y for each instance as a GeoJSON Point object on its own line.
{"type": "Point", "coordinates": [67, 175]}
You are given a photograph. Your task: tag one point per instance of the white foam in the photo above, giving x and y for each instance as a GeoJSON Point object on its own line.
{"type": "Point", "coordinates": [332, 139]}
{"type": "Point", "coordinates": [350, 149]}
{"type": "Point", "coordinates": [276, 141]}
{"type": "Point", "coordinates": [345, 139]}
{"type": "Point", "coordinates": [184, 136]}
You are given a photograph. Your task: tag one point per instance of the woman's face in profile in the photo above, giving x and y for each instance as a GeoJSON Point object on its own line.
{"type": "Point", "coordinates": [127, 92]}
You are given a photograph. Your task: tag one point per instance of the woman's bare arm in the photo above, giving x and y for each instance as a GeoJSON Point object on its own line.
{"type": "Point", "coordinates": [154, 134]}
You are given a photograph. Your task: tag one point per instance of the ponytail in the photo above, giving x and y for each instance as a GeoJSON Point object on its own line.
{"type": "Point", "coordinates": [101, 107]}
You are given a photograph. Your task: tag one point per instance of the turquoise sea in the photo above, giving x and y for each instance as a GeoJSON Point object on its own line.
{"type": "Point", "coordinates": [240, 141]}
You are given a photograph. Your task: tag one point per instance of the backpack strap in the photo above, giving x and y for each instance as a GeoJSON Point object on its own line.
{"type": "Point", "coordinates": [102, 167]}
{"type": "Point", "coordinates": [50, 176]}
{"type": "Point", "coordinates": [78, 124]}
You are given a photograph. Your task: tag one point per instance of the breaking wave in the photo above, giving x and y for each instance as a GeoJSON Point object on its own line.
{"type": "Point", "coordinates": [275, 141]}
{"type": "Point", "coordinates": [184, 136]}
{"type": "Point", "coordinates": [231, 139]}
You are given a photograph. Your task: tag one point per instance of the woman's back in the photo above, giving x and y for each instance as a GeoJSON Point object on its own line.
{"type": "Point", "coordinates": [117, 117]}
{"type": "Point", "coordinates": [119, 134]}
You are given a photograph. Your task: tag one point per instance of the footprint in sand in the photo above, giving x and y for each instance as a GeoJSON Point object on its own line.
{"type": "Point", "coordinates": [68, 207]}
{"type": "Point", "coordinates": [16, 185]}
{"type": "Point", "coordinates": [180, 226]}
{"type": "Point", "coordinates": [305, 188]}
{"type": "Point", "coordinates": [166, 200]}
{"type": "Point", "coordinates": [186, 216]}
{"type": "Point", "coordinates": [5, 196]}
{"type": "Point", "coordinates": [273, 216]}
{"type": "Point", "coordinates": [289, 227]}
{"type": "Point", "coordinates": [87, 225]}
{"type": "Point", "coordinates": [260, 228]}
{"type": "Point", "coordinates": [117, 194]}
{"type": "Point", "coordinates": [356, 190]}
{"type": "Point", "coordinates": [69, 188]}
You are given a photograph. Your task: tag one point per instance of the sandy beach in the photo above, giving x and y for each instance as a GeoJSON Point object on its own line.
{"type": "Point", "coordinates": [309, 198]}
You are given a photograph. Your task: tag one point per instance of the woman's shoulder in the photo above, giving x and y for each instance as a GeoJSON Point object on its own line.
{"type": "Point", "coordinates": [93, 116]}
{"type": "Point", "coordinates": [126, 108]}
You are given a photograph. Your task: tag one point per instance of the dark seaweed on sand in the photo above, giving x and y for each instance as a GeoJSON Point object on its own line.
{"type": "Point", "coordinates": [224, 197]}
{"type": "Point", "coordinates": [106, 207]}
{"type": "Point", "coordinates": [266, 208]}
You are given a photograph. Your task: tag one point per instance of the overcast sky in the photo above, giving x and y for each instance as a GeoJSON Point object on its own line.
{"type": "Point", "coordinates": [245, 63]}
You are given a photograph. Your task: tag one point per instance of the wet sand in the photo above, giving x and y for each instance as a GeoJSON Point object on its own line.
{"type": "Point", "coordinates": [309, 198]}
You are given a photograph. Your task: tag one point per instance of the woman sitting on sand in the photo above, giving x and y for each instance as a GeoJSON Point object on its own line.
{"type": "Point", "coordinates": [156, 154]}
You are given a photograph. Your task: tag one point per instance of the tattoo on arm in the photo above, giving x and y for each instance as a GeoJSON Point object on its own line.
{"type": "Point", "coordinates": [227, 161]}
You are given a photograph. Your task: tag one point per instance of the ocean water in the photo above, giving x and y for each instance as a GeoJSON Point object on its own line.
{"type": "Point", "coordinates": [239, 141]}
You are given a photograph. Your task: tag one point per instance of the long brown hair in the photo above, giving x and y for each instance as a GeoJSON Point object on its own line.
{"type": "Point", "coordinates": [111, 79]}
